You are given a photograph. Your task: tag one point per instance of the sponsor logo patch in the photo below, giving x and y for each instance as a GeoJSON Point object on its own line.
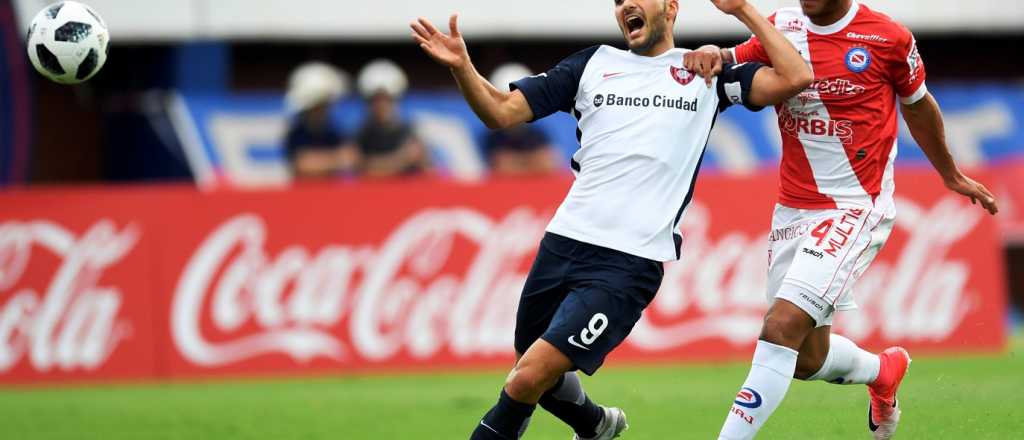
{"type": "Point", "coordinates": [875, 38]}
{"type": "Point", "coordinates": [812, 301]}
{"type": "Point", "coordinates": [814, 253]}
{"type": "Point", "coordinates": [656, 101]}
{"type": "Point", "coordinates": [914, 62]}
{"type": "Point", "coordinates": [794, 25]}
{"type": "Point", "coordinates": [837, 87]}
{"type": "Point", "coordinates": [748, 398]}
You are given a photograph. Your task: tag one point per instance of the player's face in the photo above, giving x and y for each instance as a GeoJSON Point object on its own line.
{"type": "Point", "coordinates": [819, 8]}
{"type": "Point", "coordinates": [643, 22]}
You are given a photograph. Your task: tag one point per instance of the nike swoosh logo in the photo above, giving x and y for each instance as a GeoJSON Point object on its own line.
{"type": "Point", "coordinates": [572, 340]}
{"type": "Point", "coordinates": [871, 422]}
{"type": "Point", "coordinates": [488, 427]}
{"type": "Point", "coordinates": [609, 75]}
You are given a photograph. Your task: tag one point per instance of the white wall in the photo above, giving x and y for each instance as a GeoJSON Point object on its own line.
{"type": "Point", "coordinates": [388, 19]}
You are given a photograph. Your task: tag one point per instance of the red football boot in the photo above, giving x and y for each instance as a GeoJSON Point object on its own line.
{"type": "Point", "coordinates": [884, 411]}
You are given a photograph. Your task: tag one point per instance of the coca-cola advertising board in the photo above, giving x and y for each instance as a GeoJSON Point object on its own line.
{"type": "Point", "coordinates": [420, 275]}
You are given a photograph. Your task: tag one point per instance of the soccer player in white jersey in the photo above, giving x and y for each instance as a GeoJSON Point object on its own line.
{"type": "Point", "coordinates": [644, 123]}
{"type": "Point", "coordinates": [836, 207]}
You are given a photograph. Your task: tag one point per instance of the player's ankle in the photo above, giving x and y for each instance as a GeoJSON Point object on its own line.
{"type": "Point", "coordinates": [882, 380]}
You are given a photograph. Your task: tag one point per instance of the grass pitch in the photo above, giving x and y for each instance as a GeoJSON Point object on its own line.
{"type": "Point", "coordinates": [944, 398]}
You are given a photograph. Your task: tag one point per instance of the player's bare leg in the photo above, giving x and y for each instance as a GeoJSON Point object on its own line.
{"type": "Point", "coordinates": [785, 328]}
{"type": "Point", "coordinates": [567, 401]}
{"type": "Point", "coordinates": [537, 371]}
{"type": "Point", "coordinates": [813, 353]}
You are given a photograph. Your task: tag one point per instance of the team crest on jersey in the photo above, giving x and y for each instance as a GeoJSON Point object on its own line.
{"type": "Point", "coordinates": [682, 76]}
{"type": "Point", "coordinates": [858, 59]}
{"type": "Point", "coordinates": [748, 398]}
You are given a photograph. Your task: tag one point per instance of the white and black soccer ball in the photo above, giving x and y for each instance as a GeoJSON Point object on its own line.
{"type": "Point", "coordinates": [68, 42]}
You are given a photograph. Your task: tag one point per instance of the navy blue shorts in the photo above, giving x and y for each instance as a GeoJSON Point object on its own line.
{"type": "Point", "coordinates": [584, 299]}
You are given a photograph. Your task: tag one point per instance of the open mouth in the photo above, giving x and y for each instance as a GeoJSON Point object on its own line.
{"type": "Point", "coordinates": [634, 25]}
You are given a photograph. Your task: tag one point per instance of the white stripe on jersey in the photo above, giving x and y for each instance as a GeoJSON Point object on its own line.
{"type": "Point", "coordinates": [826, 155]}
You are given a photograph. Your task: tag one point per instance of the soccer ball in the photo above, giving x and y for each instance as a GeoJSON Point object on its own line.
{"type": "Point", "coordinates": [68, 42]}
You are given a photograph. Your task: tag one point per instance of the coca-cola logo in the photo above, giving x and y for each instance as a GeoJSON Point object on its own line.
{"type": "Point", "coordinates": [416, 294]}
{"type": "Point", "coordinates": [718, 289]}
{"type": "Point", "coordinates": [400, 296]}
{"type": "Point", "coordinates": [72, 322]}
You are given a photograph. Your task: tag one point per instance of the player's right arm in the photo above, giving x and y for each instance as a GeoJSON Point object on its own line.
{"type": "Point", "coordinates": [494, 107]}
{"type": "Point", "coordinates": [707, 60]}
{"type": "Point", "coordinates": [789, 74]}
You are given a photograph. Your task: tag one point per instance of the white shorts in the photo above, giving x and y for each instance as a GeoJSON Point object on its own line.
{"type": "Point", "coordinates": [816, 255]}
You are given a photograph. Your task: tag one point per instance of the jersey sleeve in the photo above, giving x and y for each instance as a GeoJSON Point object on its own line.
{"type": "Point", "coordinates": [555, 90]}
{"type": "Point", "coordinates": [906, 70]}
{"type": "Point", "coordinates": [752, 50]}
{"type": "Point", "coordinates": [734, 84]}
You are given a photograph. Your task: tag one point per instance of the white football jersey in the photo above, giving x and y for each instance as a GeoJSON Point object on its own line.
{"type": "Point", "coordinates": [644, 124]}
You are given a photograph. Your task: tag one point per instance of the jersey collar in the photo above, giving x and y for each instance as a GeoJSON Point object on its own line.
{"type": "Point", "coordinates": [837, 26]}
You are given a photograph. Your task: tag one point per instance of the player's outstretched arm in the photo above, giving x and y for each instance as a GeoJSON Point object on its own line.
{"type": "Point", "coordinates": [706, 62]}
{"type": "Point", "coordinates": [495, 108]}
{"type": "Point", "coordinates": [924, 118]}
{"type": "Point", "coordinates": [789, 75]}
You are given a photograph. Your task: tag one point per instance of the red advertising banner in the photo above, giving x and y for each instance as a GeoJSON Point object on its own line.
{"type": "Point", "coordinates": [161, 282]}
{"type": "Point", "coordinates": [1008, 187]}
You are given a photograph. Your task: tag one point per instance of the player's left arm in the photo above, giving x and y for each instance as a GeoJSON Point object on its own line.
{"type": "Point", "coordinates": [789, 74]}
{"type": "Point", "coordinates": [924, 119]}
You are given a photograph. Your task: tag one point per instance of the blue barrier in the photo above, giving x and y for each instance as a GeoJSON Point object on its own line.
{"type": "Point", "coordinates": [984, 122]}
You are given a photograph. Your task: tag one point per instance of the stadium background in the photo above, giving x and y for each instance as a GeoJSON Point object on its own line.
{"type": "Point", "coordinates": [396, 296]}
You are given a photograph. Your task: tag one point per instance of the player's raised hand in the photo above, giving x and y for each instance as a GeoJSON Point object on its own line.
{"type": "Point", "coordinates": [729, 6]}
{"type": "Point", "coordinates": [975, 191]}
{"type": "Point", "coordinates": [449, 50]}
{"type": "Point", "coordinates": [706, 62]}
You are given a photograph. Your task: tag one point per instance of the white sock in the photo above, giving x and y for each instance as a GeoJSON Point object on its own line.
{"type": "Point", "coordinates": [766, 386]}
{"type": "Point", "coordinates": [847, 364]}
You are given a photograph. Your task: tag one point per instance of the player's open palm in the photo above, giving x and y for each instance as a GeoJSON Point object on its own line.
{"type": "Point", "coordinates": [975, 191]}
{"type": "Point", "coordinates": [449, 50]}
{"type": "Point", "coordinates": [729, 6]}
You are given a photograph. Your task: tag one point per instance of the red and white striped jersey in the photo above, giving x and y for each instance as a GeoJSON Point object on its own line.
{"type": "Point", "coordinates": [839, 135]}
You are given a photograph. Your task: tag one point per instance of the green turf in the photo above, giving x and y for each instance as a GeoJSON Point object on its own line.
{"type": "Point", "coordinates": [945, 398]}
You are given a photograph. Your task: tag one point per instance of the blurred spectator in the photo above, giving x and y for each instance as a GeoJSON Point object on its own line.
{"type": "Point", "coordinates": [387, 144]}
{"type": "Point", "coordinates": [521, 150]}
{"type": "Point", "coordinates": [315, 146]}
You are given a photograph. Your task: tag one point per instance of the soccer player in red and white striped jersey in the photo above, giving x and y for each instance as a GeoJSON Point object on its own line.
{"type": "Point", "coordinates": [836, 209]}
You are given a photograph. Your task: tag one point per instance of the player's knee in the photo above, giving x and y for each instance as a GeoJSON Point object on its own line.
{"type": "Point", "coordinates": [785, 329]}
{"type": "Point", "coordinates": [528, 383]}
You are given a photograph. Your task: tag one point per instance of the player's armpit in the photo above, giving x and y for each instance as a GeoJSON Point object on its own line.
{"type": "Point", "coordinates": [770, 88]}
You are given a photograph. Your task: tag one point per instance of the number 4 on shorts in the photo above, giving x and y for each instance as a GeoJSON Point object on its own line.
{"type": "Point", "coordinates": [821, 232]}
